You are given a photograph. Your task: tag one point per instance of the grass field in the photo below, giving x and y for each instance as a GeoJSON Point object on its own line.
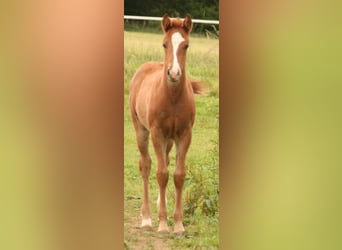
{"type": "Point", "coordinates": [200, 200]}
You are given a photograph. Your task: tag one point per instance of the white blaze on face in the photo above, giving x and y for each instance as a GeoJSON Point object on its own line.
{"type": "Point", "coordinates": [176, 40]}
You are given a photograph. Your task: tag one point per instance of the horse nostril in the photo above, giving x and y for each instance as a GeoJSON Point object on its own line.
{"type": "Point", "coordinates": [174, 74]}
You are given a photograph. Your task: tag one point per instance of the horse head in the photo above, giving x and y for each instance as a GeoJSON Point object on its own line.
{"type": "Point", "coordinates": [175, 43]}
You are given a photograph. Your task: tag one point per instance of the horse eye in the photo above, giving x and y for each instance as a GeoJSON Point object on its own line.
{"type": "Point", "coordinates": [186, 46]}
{"type": "Point", "coordinates": [164, 45]}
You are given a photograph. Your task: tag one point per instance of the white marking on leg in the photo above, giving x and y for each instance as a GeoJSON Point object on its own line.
{"type": "Point", "coordinates": [176, 41]}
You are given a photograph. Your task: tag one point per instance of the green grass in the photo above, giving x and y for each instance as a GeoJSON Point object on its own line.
{"type": "Point", "coordinates": [201, 186]}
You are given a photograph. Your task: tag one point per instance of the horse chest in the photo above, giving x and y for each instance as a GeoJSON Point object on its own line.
{"type": "Point", "coordinates": [174, 119]}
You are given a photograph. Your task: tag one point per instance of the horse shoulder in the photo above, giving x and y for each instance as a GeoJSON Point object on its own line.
{"type": "Point", "coordinates": [142, 75]}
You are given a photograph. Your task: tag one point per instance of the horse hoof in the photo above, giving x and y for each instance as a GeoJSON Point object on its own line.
{"type": "Point", "coordinates": [179, 228]}
{"type": "Point", "coordinates": [146, 224]}
{"type": "Point", "coordinates": [178, 234]}
{"type": "Point", "coordinates": [163, 228]}
{"type": "Point", "coordinates": [163, 232]}
{"type": "Point", "coordinates": [146, 228]}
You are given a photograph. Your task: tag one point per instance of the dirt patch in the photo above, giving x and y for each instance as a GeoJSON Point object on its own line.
{"type": "Point", "coordinates": [139, 239]}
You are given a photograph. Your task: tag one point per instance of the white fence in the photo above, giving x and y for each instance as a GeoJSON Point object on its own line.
{"type": "Point", "coordinates": [160, 18]}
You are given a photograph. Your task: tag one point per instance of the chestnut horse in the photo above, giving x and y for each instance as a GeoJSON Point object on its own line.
{"type": "Point", "coordinates": [162, 104]}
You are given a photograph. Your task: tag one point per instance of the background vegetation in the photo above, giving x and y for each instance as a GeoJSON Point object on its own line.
{"type": "Point", "coordinates": [198, 9]}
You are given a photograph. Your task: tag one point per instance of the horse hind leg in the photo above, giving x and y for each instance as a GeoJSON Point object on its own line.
{"type": "Point", "coordinates": [145, 168]}
{"type": "Point", "coordinates": [168, 149]}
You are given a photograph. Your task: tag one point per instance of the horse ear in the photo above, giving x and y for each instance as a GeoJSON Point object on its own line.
{"type": "Point", "coordinates": [166, 23]}
{"type": "Point", "coordinates": [187, 23]}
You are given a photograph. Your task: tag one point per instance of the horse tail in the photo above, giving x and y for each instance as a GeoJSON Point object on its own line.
{"type": "Point", "coordinates": [199, 87]}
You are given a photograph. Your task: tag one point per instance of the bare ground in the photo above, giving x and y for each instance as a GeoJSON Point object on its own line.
{"type": "Point", "coordinates": [137, 238]}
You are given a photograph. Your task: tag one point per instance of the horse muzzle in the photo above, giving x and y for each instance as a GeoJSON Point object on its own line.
{"type": "Point", "coordinates": [174, 75]}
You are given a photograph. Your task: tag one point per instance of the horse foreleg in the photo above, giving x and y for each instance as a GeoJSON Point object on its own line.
{"type": "Point", "coordinates": [160, 144]}
{"type": "Point", "coordinates": [182, 145]}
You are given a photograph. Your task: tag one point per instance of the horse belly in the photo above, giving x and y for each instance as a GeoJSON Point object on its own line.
{"type": "Point", "coordinates": [142, 110]}
{"type": "Point", "coordinates": [143, 99]}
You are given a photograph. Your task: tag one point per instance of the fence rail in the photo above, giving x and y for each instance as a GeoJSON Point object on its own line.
{"type": "Point", "coordinates": [159, 19]}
